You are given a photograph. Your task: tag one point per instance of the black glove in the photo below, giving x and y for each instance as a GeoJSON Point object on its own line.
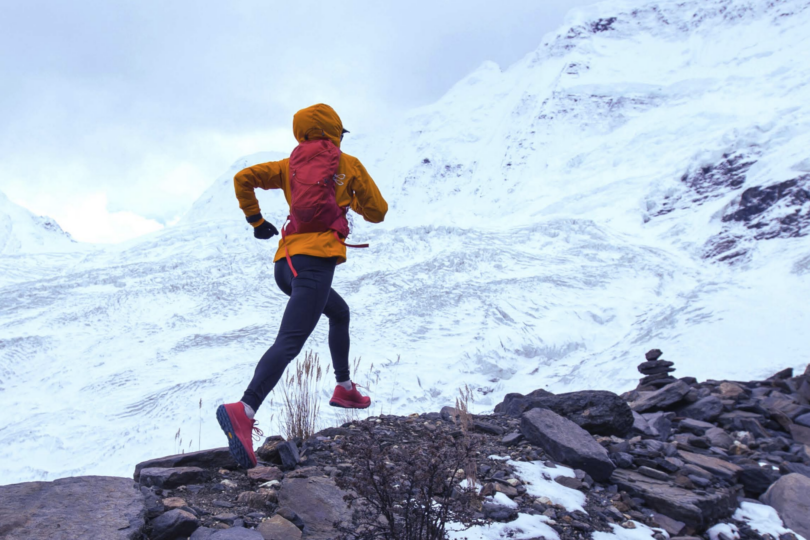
{"type": "Point", "coordinates": [265, 231]}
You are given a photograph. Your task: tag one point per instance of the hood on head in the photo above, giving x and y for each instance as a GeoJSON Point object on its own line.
{"type": "Point", "coordinates": [317, 122]}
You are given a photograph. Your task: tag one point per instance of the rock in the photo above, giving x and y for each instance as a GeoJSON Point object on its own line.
{"type": "Point", "coordinates": [672, 526]}
{"type": "Point", "coordinates": [202, 533]}
{"type": "Point", "coordinates": [513, 438]}
{"type": "Point", "coordinates": [278, 528]}
{"type": "Point", "coordinates": [756, 480]}
{"type": "Point", "coordinates": [654, 473]}
{"type": "Point", "coordinates": [569, 482]}
{"type": "Point", "coordinates": [492, 429]}
{"type": "Point", "coordinates": [170, 478]}
{"type": "Point", "coordinates": [660, 424]}
{"type": "Point", "coordinates": [497, 512]}
{"type": "Point", "coordinates": [598, 412]}
{"type": "Point", "coordinates": [718, 467]}
{"type": "Point", "coordinates": [786, 373]}
{"type": "Point", "coordinates": [788, 496]}
{"type": "Point", "coordinates": [653, 367]}
{"type": "Point", "coordinates": [451, 414]}
{"type": "Point", "coordinates": [268, 451]}
{"type": "Point", "coordinates": [319, 503]}
{"type": "Point", "coordinates": [257, 499]}
{"type": "Point", "coordinates": [174, 524]}
{"type": "Point", "coordinates": [800, 434]}
{"type": "Point", "coordinates": [288, 454]}
{"type": "Point", "coordinates": [731, 390]}
{"type": "Point", "coordinates": [653, 354]}
{"type": "Point", "coordinates": [566, 442]}
{"type": "Point", "coordinates": [170, 503]}
{"type": "Point", "coordinates": [803, 420]}
{"type": "Point", "coordinates": [288, 514]}
{"type": "Point", "coordinates": [719, 438]}
{"type": "Point", "coordinates": [265, 474]}
{"type": "Point", "coordinates": [664, 397]}
{"type": "Point", "coordinates": [219, 458]}
{"type": "Point", "coordinates": [706, 409]}
{"type": "Point", "coordinates": [76, 507]}
{"type": "Point", "coordinates": [622, 460]}
{"type": "Point", "coordinates": [695, 510]}
{"type": "Point", "coordinates": [698, 427]}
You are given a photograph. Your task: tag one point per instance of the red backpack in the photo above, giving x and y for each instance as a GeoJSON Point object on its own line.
{"type": "Point", "coordinates": [313, 207]}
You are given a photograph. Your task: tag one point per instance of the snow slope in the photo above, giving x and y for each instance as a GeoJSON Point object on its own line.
{"type": "Point", "coordinates": [640, 180]}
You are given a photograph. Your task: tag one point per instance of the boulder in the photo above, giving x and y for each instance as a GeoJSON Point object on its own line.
{"type": "Point", "coordinates": [317, 501]}
{"type": "Point", "coordinates": [706, 409]}
{"type": "Point", "coordinates": [788, 496]}
{"type": "Point", "coordinates": [278, 528]}
{"type": "Point", "coordinates": [174, 524]}
{"type": "Point", "coordinates": [598, 412]}
{"type": "Point", "coordinates": [170, 478]}
{"type": "Point", "coordinates": [718, 467]}
{"type": "Point", "coordinates": [661, 398]}
{"type": "Point", "coordinates": [219, 458]}
{"type": "Point", "coordinates": [566, 442]}
{"type": "Point", "coordinates": [78, 507]}
{"type": "Point", "coordinates": [698, 511]}
{"type": "Point", "coordinates": [803, 420]}
{"type": "Point", "coordinates": [268, 451]}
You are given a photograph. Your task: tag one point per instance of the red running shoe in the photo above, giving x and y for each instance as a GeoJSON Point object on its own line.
{"type": "Point", "coordinates": [349, 399]}
{"type": "Point", "coordinates": [240, 431]}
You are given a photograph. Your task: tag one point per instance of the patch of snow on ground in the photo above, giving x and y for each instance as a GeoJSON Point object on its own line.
{"type": "Point", "coordinates": [539, 480]}
{"type": "Point", "coordinates": [525, 527]}
{"type": "Point", "coordinates": [728, 530]}
{"type": "Point", "coordinates": [763, 519]}
{"type": "Point", "coordinates": [641, 532]}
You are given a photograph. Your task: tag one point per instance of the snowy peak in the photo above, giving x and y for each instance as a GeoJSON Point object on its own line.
{"type": "Point", "coordinates": [22, 232]}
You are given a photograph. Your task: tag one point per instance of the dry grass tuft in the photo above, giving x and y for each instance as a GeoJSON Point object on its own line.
{"type": "Point", "coordinates": [299, 400]}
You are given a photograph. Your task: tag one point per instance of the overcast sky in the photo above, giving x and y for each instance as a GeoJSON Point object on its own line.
{"type": "Point", "coordinates": [118, 114]}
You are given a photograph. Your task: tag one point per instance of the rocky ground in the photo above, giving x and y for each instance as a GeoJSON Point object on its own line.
{"type": "Point", "coordinates": [672, 458]}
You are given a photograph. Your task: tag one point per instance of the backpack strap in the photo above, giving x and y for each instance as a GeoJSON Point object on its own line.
{"type": "Point", "coordinates": [339, 239]}
{"type": "Point", "coordinates": [287, 251]}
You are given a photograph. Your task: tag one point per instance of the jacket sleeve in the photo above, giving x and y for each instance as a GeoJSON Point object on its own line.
{"type": "Point", "coordinates": [264, 175]}
{"type": "Point", "coordinates": [366, 197]}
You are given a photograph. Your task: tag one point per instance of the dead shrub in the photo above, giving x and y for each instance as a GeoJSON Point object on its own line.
{"type": "Point", "coordinates": [407, 489]}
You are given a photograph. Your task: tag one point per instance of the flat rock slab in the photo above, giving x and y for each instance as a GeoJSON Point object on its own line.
{"type": "Point", "coordinates": [696, 511]}
{"type": "Point", "coordinates": [789, 496]}
{"type": "Point", "coordinates": [318, 502]}
{"type": "Point", "coordinates": [566, 442]}
{"type": "Point", "coordinates": [718, 467]}
{"type": "Point", "coordinates": [235, 533]}
{"type": "Point", "coordinates": [661, 398]}
{"type": "Point", "coordinates": [69, 508]}
{"type": "Point", "coordinates": [171, 477]}
{"type": "Point", "coordinates": [265, 474]}
{"type": "Point", "coordinates": [215, 458]}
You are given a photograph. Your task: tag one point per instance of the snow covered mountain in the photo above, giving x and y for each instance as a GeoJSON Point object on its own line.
{"type": "Point", "coordinates": [22, 232]}
{"type": "Point", "coordinates": [641, 179]}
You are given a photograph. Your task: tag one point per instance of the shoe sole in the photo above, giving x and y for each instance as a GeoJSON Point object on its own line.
{"type": "Point", "coordinates": [347, 404]}
{"type": "Point", "coordinates": [238, 451]}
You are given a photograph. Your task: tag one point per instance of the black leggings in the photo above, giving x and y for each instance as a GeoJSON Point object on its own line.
{"type": "Point", "coordinates": [310, 295]}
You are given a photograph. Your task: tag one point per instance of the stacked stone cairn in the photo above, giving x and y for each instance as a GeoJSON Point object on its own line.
{"type": "Point", "coordinates": [656, 371]}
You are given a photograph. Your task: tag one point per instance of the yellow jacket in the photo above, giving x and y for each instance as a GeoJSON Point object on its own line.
{"type": "Point", "coordinates": [358, 190]}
